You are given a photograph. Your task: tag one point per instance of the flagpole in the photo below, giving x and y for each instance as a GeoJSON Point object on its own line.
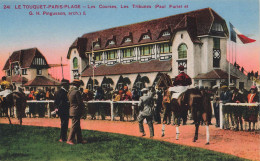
{"type": "Point", "coordinates": [93, 67]}
{"type": "Point", "coordinates": [232, 53]}
{"type": "Point", "coordinates": [20, 73]}
{"type": "Point", "coordinates": [236, 53]}
{"type": "Point", "coordinates": [10, 66]}
{"type": "Point", "coordinates": [62, 68]}
{"type": "Point", "coordinates": [229, 64]}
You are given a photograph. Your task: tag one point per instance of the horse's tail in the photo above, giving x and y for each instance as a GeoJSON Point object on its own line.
{"type": "Point", "coordinates": [207, 106]}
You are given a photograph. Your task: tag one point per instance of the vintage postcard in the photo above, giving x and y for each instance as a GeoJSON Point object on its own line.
{"type": "Point", "coordinates": [116, 55]}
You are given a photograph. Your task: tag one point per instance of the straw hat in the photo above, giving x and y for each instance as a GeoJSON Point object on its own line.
{"type": "Point", "coordinates": [224, 87]}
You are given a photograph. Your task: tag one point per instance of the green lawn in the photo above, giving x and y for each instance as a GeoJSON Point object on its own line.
{"type": "Point", "coordinates": [40, 143]}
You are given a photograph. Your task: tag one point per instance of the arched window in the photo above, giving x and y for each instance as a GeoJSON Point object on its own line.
{"type": "Point", "coordinates": [75, 63]}
{"type": "Point", "coordinates": [182, 51]}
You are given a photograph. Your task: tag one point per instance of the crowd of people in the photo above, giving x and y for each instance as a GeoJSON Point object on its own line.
{"type": "Point", "coordinates": [154, 104]}
{"type": "Point", "coordinates": [234, 116]}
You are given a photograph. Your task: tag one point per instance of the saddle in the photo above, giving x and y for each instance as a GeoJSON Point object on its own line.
{"type": "Point", "coordinates": [178, 90]}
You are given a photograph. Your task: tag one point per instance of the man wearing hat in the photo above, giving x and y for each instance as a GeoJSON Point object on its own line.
{"type": "Point", "coordinates": [225, 97]}
{"type": "Point", "coordinates": [216, 99]}
{"type": "Point", "coordinates": [62, 106]}
{"type": "Point", "coordinates": [237, 111]}
{"type": "Point", "coordinates": [76, 110]}
{"type": "Point", "coordinates": [146, 104]}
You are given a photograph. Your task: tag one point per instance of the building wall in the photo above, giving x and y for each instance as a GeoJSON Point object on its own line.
{"type": "Point", "coordinates": [75, 54]}
{"type": "Point", "coordinates": [223, 60]}
{"type": "Point", "coordinates": [207, 54]}
{"type": "Point", "coordinates": [183, 37]}
{"type": "Point", "coordinates": [31, 73]}
{"type": "Point", "coordinates": [197, 57]}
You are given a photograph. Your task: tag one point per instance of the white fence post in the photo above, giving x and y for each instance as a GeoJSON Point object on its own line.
{"type": "Point", "coordinates": [49, 110]}
{"type": "Point", "coordinates": [221, 117]}
{"type": "Point", "coordinates": [112, 110]}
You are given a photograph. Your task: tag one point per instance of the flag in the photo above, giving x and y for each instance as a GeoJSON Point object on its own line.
{"type": "Point", "coordinates": [234, 33]}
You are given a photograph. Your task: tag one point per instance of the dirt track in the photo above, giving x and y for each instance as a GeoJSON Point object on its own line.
{"type": "Point", "coordinates": [241, 144]}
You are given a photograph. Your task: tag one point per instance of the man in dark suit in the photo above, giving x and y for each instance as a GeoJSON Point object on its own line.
{"type": "Point", "coordinates": [76, 110]}
{"type": "Point", "coordinates": [62, 105]}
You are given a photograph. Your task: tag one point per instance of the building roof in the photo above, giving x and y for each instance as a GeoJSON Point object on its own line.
{"type": "Point", "coordinates": [17, 79]}
{"type": "Point", "coordinates": [197, 23]}
{"type": "Point", "coordinates": [135, 67]}
{"type": "Point", "coordinates": [42, 81]}
{"type": "Point", "coordinates": [215, 74]}
{"type": "Point", "coordinates": [25, 57]}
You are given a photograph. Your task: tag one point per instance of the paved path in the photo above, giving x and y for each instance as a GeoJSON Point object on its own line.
{"type": "Point", "coordinates": [241, 144]}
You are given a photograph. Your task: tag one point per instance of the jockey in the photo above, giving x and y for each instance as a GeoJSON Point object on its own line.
{"type": "Point", "coordinates": [182, 79]}
{"type": "Point", "coordinates": [6, 86]}
{"type": "Point", "coordinates": [181, 83]}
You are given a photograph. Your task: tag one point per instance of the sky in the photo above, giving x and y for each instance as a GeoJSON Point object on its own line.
{"type": "Point", "coordinates": [53, 35]}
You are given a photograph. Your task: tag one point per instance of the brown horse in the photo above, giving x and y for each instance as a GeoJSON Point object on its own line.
{"type": "Point", "coordinates": [16, 99]}
{"type": "Point", "coordinates": [199, 103]}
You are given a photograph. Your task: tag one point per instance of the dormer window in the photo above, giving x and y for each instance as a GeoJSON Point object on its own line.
{"type": "Point", "coordinates": [166, 33]}
{"type": "Point", "coordinates": [97, 45]}
{"type": "Point", "coordinates": [217, 27]}
{"type": "Point", "coordinates": [128, 39]}
{"type": "Point", "coordinates": [146, 37]}
{"type": "Point", "coordinates": [112, 42]}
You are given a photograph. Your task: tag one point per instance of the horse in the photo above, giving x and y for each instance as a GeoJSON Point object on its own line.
{"type": "Point", "coordinates": [16, 99]}
{"type": "Point", "coordinates": [199, 103]}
